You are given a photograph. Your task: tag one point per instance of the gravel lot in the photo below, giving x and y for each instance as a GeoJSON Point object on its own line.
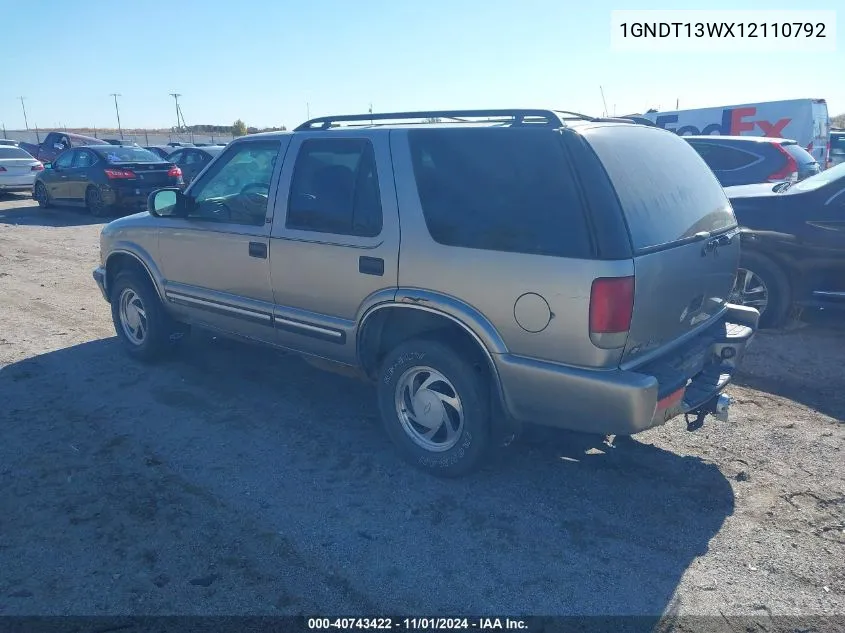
{"type": "Point", "coordinates": [239, 480]}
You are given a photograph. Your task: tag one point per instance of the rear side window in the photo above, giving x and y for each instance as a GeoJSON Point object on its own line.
{"type": "Point", "coordinates": [801, 156]}
{"type": "Point", "coordinates": [723, 158]}
{"type": "Point", "coordinates": [501, 189]}
{"type": "Point", "coordinates": [665, 189]}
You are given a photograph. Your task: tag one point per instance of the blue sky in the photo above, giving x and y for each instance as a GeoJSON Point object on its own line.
{"type": "Point", "coordinates": [263, 60]}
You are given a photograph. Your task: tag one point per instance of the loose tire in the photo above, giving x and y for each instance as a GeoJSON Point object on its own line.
{"type": "Point", "coordinates": [41, 196]}
{"type": "Point", "coordinates": [758, 274]}
{"type": "Point", "coordinates": [435, 408]}
{"type": "Point", "coordinates": [94, 202]}
{"type": "Point", "coordinates": [144, 328]}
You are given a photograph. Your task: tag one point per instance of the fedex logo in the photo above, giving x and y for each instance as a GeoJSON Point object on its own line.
{"type": "Point", "coordinates": [734, 122]}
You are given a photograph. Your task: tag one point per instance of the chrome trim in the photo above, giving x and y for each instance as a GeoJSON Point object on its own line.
{"type": "Point", "coordinates": [838, 294]}
{"type": "Point", "coordinates": [308, 327]}
{"type": "Point", "coordinates": [176, 297]}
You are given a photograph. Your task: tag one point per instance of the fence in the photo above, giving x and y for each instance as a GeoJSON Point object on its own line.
{"type": "Point", "coordinates": [141, 137]}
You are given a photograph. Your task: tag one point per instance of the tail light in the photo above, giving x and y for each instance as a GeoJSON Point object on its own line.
{"type": "Point", "coordinates": [38, 167]}
{"type": "Point", "coordinates": [790, 171]}
{"type": "Point", "coordinates": [611, 305]}
{"type": "Point", "coordinates": [174, 172]}
{"type": "Point", "coordinates": [119, 174]}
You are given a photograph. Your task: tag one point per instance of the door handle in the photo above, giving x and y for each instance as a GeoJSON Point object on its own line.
{"type": "Point", "coordinates": [258, 249]}
{"type": "Point", "coordinates": [371, 266]}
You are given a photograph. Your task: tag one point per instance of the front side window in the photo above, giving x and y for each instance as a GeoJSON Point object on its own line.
{"type": "Point", "coordinates": [236, 190]}
{"type": "Point", "coordinates": [84, 159]}
{"type": "Point", "coordinates": [335, 189]}
{"type": "Point", "coordinates": [500, 189]}
{"type": "Point", "coordinates": [65, 160]}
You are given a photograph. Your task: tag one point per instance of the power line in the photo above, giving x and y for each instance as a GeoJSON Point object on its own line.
{"type": "Point", "coordinates": [117, 111]}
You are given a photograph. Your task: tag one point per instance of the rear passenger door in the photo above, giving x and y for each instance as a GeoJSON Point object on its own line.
{"type": "Point", "coordinates": [335, 240]}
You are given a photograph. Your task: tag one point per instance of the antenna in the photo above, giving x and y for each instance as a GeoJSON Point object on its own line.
{"type": "Point", "coordinates": [604, 101]}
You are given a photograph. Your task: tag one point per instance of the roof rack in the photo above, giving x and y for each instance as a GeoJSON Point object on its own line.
{"type": "Point", "coordinates": [514, 117]}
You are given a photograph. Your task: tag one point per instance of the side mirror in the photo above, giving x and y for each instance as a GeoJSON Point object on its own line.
{"type": "Point", "coordinates": [167, 203]}
{"type": "Point", "coordinates": [48, 165]}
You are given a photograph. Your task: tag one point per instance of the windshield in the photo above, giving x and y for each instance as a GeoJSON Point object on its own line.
{"type": "Point", "coordinates": [819, 180]}
{"type": "Point", "coordinates": [130, 155]}
{"type": "Point", "coordinates": [13, 152]}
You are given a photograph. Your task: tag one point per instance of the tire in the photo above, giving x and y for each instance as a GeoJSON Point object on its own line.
{"type": "Point", "coordinates": [460, 441]}
{"type": "Point", "coordinates": [41, 196]}
{"type": "Point", "coordinates": [143, 327]}
{"type": "Point", "coordinates": [94, 203]}
{"type": "Point", "coordinates": [776, 284]}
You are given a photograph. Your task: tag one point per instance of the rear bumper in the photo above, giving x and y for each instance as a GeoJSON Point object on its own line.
{"type": "Point", "coordinates": [17, 183]}
{"type": "Point", "coordinates": [132, 199]}
{"type": "Point", "coordinates": [622, 402]}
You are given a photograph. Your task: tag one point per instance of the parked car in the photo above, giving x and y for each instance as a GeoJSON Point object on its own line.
{"type": "Point", "coordinates": [18, 169]}
{"type": "Point", "coordinates": [745, 160]}
{"type": "Point", "coordinates": [546, 272]}
{"type": "Point", "coordinates": [180, 144]}
{"type": "Point", "coordinates": [104, 178]}
{"type": "Point", "coordinates": [57, 142]}
{"type": "Point", "coordinates": [8, 141]}
{"type": "Point", "coordinates": [163, 151]}
{"type": "Point", "coordinates": [837, 147]}
{"type": "Point", "coordinates": [192, 160]}
{"type": "Point", "coordinates": [120, 141]}
{"type": "Point", "coordinates": [793, 244]}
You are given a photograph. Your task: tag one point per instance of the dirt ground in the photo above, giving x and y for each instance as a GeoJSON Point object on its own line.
{"type": "Point", "coordinates": [238, 480]}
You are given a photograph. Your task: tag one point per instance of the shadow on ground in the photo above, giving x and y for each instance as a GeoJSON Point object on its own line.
{"type": "Point", "coordinates": [797, 362]}
{"type": "Point", "coordinates": [31, 215]}
{"type": "Point", "coordinates": [545, 529]}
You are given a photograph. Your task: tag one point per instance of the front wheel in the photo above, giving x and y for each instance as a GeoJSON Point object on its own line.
{"type": "Point", "coordinates": [435, 408]}
{"type": "Point", "coordinates": [143, 327]}
{"type": "Point", "coordinates": [41, 196]}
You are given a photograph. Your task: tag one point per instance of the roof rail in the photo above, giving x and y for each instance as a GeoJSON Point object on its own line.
{"type": "Point", "coordinates": [513, 116]}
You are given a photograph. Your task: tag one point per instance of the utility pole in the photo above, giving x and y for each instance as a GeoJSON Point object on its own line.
{"type": "Point", "coordinates": [117, 111]}
{"type": "Point", "coordinates": [23, 107]}
{"type": "Point", "coordinates": [307, 110]}
{"type": "Point", "coordinates": [176, 96]}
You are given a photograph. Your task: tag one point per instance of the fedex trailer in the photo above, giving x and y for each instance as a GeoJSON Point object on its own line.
{"type": "Point", "coordinates": [802, 120]}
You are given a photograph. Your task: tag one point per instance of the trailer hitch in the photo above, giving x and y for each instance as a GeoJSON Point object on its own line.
{"type": "Point", "coordinates": [717, 406]}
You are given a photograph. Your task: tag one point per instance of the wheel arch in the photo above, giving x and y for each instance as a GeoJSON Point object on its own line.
{"type": "Point", "coordinates": [124, 259]}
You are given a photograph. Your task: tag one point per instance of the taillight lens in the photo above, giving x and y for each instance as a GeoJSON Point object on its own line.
{"type": "Point", "coordinates": [790, 171]}
{"type": "Point", "coordinates": [174, 172]}
{"type": "Point", "coordinates": [611, 305]}
{"type": "Point", "coordinates": [119, 174]}
{"type": "Point", "coordinates": [38, 167]}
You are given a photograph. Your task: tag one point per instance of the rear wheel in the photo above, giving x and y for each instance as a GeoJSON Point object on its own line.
{"type": "Point", "coordinates": [435, 407]}
{"type": "Point", "coordinates": [761, 284]}
{"type": "Point", "coordinates": [41, 196]}
{"type": "Point", "coordinates": [94, 202]}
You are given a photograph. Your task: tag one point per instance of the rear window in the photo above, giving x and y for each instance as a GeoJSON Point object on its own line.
{"type": "Point", "coordinates": [13, 152]}
{"type": "Point", "coordinates": [130, 155]}
{"type": "Point", "coordinates": [801, 156]}
{"type": "Point", "coordinates": [837, 144]}
{"type": "Point", "coordinates": [665, 188]}
{"type": "Point", "coordinates": [500, 189]}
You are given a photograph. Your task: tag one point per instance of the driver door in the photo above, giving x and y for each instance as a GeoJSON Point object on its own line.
{"type": "Point", "coordinates": [215, 261]}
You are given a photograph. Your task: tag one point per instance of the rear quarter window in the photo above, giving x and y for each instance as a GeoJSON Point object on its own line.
{"type": "Point", "coordinates": [801, 156]}
{"type": "Point", "coordinates": [501, 189]}
{"type": "Point", "coordinates": [666, 190]}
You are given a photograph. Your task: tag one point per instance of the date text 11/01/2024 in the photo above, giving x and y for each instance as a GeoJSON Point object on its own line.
{"type": "Point", "coordinates": [417, 624]}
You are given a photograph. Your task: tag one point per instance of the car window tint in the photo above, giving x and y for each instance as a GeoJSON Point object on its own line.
{"type": "Point", "coordinates": [83, 159]}
{"type": "Point", "coordinates": [837, 144]}
{"type": "Point", "coordinates": [193, 158]}
{"type": "Point", "coordinates": [722, 158]}
{"type": "Point", "coordinates": [13, 152]}
{"type": "Point", "coordinates": [335, 188]}
{"type": "Point", "coordinates": [499, 189]}
{"type": "Point", "coordinates": [65, 159]}
{"type": "Point", "coordinates": [665, 189]}
{"type": "Point", "coordinates": [117, 154]}
{"type": "Point", "coordinates": [236, 189]}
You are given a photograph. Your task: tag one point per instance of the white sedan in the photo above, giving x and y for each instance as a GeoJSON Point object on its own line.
{"type": "Point", "coordinates": [17, 169]}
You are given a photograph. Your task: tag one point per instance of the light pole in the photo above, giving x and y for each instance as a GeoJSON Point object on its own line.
{"type": "Point", "coordinates": [23, 107]}
{"type": "Point", "coordinates": [117, 111]}
{"type": "Point", "coordinates": [176, 96]}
